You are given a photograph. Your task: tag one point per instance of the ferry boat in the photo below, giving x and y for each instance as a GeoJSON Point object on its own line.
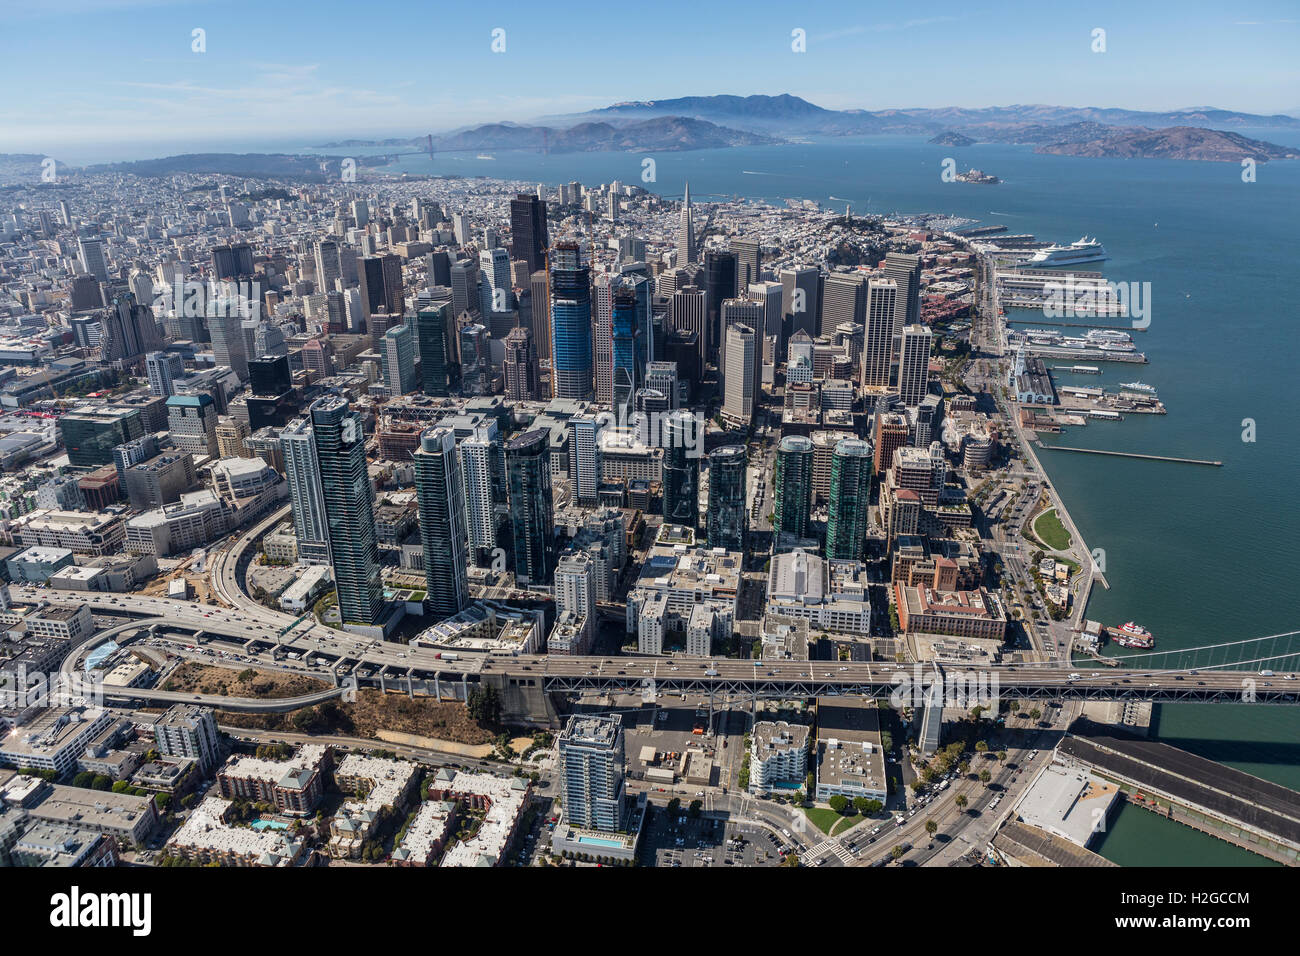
{"type": "Point", "coordinates": [1075, 254]}
{"type": "Point", "coordinates": [1134, 635]}
{"type": "Point", "coordinates": [1139, 387]}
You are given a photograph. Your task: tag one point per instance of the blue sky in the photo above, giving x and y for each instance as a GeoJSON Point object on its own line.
{"type": "Point", "coordinates": [100, 72]}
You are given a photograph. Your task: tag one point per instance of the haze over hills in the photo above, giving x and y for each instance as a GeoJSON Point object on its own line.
{"type": "Point", "coordinates": [794, 114]}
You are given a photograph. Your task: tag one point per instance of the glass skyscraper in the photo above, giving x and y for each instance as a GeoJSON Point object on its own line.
{"type": "Point", "coordinates": [681, 483]}
{"type": "Point", "coordinates": [345, 490]}
{"type": "Point", "coordinates": [440, 492]}
{"type": "Point", "coordinates": [792, 486]}
{"type": "Point", "coordinates": [528, 472]}
{"type": "Point", "coordinates": [846, 525]}
{"type": "Point", "coordinates": [570, 324]}
{"type": "Point", "coordinates": [629, 367]}
{"type": "Point", "coordinates": [726, 515]}
{"type": "Point", "coordinates": [432, 324]}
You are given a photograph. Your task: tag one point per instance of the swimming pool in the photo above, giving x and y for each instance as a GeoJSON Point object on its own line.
{"type": "Point", "coordinates": [268, 825]}
{"type": "Point", "coordinates": [601, 841]}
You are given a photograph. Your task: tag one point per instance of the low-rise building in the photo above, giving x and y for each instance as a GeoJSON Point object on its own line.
{"type": "Point", "coordinates": [207, 836]}
{"type": "Point", "coordinates": [386, 785]}
{"type": "Point", "coordinates": [293, 786]}
{"type": "Point", "coordinates": [830, 594]}
{"type": "Point", "coordinates": [850, 759]}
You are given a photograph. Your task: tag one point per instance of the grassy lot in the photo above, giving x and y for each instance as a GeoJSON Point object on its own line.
{"type": "Point", "coordinates": [822, 817]}
{"type": "Point", "coordinates": [1049, 530]}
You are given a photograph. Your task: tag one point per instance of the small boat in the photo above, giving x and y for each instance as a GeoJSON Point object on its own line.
{"type": "Point", "coordinates": [1134, 635]}
{"type": "Point", "coordinates": [1139, 387]}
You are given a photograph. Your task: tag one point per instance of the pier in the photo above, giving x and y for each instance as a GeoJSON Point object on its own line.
{"type": "Point", "coordinates": [1073, 325]}
{"type": "Point", "coordinates": [1133, 454]}
{"type": "Point", "coordinates": [1256, 815]}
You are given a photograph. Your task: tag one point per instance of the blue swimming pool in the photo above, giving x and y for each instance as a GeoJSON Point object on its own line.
{"type": "Point", "coordinates": [600, 841]}
{"type": "Point", "coordinates": [268, 825]}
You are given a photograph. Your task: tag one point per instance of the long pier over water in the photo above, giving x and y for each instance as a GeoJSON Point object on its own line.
{"type": "Point", "coordinates": [1133, 454]}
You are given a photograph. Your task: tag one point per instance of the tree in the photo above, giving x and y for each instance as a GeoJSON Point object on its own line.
{"type": "Point", "coordinates": [838, 803]}
{"type": "Point", "coordinates": [484, 705]}
{"type": "Point", "coordinates": [897, 852]}
{"type": "Point", "coordinates": [981, 747]}
{"type": "Point", "coordinates": [1035, 714]}
{"type": "Point", "coordinates": [695, 808]}
{"type": "Point", "coordinates": [961, 801]}
{"type": "Point", "coordinates": [985, 777]}
{"type": "Point", "coordinates": [1001, 755]}
{"type": "Point", "coordinates": [931, 827]}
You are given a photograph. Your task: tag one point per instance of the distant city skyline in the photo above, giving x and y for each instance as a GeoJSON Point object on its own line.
{"type": "Point", "coordinates": [123, 73]}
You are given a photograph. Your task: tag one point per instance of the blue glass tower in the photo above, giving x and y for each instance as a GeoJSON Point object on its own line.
{"type": "Point", "coordinates": [570, 324]}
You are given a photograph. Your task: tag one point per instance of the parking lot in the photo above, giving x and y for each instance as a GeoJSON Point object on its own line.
{"type": "Point", "coordinates": [682, 840]}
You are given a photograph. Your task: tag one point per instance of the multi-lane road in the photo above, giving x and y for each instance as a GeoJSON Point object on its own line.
{"type": "Point", "coordinates": [337, 653]}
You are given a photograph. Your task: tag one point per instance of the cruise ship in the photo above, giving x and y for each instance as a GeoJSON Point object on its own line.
{"type": "Point", "coordinates": [1076, 254]}
{"type": "Point", "coordinates": [1139, 387]}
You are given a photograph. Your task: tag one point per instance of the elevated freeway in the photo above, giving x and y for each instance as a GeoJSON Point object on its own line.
{"type": "Point", "coordinates": [536, 676]}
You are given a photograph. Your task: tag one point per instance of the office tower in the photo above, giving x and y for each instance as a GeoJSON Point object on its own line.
{"type": "Point", "coordinates": [591, 766]}
{"type": "Point", "coordinates": [792, 486]}
{"type": "Point", "coordinates": [92, 257]}
{"type": "Point", "coordinates": [233, 261]}
{"type": "Point", "coordinates": [475, 360]}
{"type": "Point", "coordinates": [329, 266]}
{"type": "Point", "coordinates": [720, 285]}
{"type": "Point", "coordinates": [728, 510]}
{"type": "Point", "coordinates": [65, 214]}
{"type": "Point", "coordinates": [541, 315]}
{"type": "Point", "coordinates": [439, 269]}
{"type": "Point", "coordinates": [231, 436]}
{"type": "Point", "coordinates": [878, 333]}
{"type": "Point", "coordinates": [744, 312]}
{"type": "Point", "coordinates": [905, 270]}
{"type": "Point", "coordinates": [528, 473]}
{"type": "Point", "coordinates": [584, 459]}
{"type": "Point", "coordinates": [349, 512]}
{"type": "Point", "coordinates": [688, 312]}
{"type": "Point", "coordinates": [432, 326]}
{"type": "Point", "coordinates": [768, 296]}
{"type": "Point", "coordinates": [133, 452]}
{"type": "Point", "coordinates": [440, 491]}
{"type": "Point", "coordinates": [662, 377]}
{"type": "Point", "coordinates": [749, 257]}
{"type": "Point", "coordinates": [228, 343]}
{"type": "Point", "coordinates": [269, 375]}
{"type": "Point", "coordinates": [844, 300]}
{"type": "Point", "coordinates": [268, 340]}
{"type": "Point", "coordinates": [464, 287]}
{"type": "Point", "coordinates": [302, 472]}
{"type": "Point", "coordinates": [681, 469]}
{"type": "Point", "coordinates": [461, 228]}
{"type": "Point", "coordinates": [570, 324]}
{"type": "Point", "coordinates": [800, 300]}
{"type": "Point", "coordinates": [84, 293]}
{"type": "Point", "coordinates": [399, 360]}
{"type": "Point", "coordinates": [602, 337]}
{"type": "Point", "coordinates": [890, 433]}
{"type": "Point", "coordinates": [739, 382]}
{"type": "Point", "coordinates": [520, 366]}
{"type": "Point", "coordinates": [192, 421]}
{"type": "Point", "coordinates": [628, 353]}
{"type": "Point", "coordinates": [381, 285]}
{"type": "Point", "coordinates": [360, 212]}
{"type": "Point", "coordinates": [686, 252]}
{"type": "Point", "coordinates": [162, 369]}
{"type": "Point", "coordinates": [846, 525]}
{"type": "Point", "coordinates": [90, 434]}
{"type": "Point", "coordinates": [914, 364]}
{"type": "Point", "coordinates": [129, 330]}
{"type": "Point", "coordinates": [528, 240]}
{"type": "Point", "coordinates": [495, 282]}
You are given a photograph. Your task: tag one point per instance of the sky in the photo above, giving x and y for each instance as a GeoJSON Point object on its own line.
{"type": "Point", "coordinates": [85, 75]}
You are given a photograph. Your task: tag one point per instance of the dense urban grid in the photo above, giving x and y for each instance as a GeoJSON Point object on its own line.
{"type": "Point", "coordinates": [462, 522]}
